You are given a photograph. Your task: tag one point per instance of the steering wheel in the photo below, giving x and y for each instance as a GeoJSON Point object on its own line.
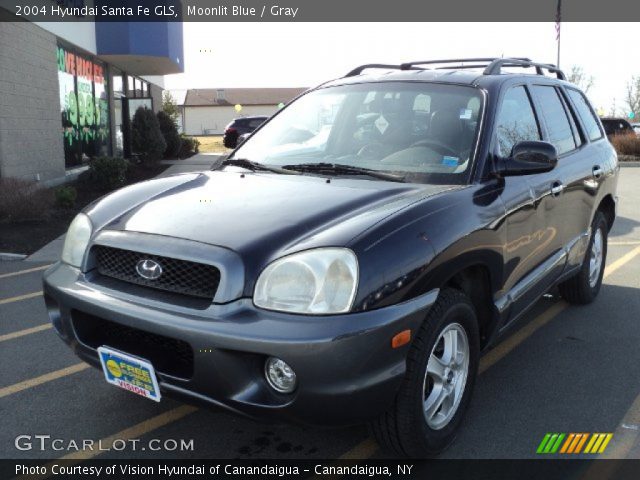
{"type": "Point", "coordinates": [370, 149]}
{"type": "Point", "coordinates": [439, 147]}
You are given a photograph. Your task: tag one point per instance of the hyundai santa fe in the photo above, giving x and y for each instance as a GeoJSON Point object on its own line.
{"type": "Point", "coordinates": [354, 258]}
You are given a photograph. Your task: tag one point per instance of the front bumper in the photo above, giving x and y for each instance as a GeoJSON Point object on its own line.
{"type": "Point", "coordinates": [346, 369]}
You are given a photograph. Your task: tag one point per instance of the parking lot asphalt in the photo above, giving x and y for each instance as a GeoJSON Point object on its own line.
{"type": "Point", "coordinates": [563, 369]}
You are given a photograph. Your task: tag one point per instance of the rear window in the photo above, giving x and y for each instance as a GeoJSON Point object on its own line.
{"type": "Point", "coordinates": [586, 114]}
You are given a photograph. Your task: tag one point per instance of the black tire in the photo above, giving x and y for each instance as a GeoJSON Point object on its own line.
{"type": "Point", "coordinates": [403, 429]}
{"type": "Point", "coordinates": [577, 289]}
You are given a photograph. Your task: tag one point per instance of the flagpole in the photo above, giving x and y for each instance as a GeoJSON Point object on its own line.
{"type": "Point", "coordinates": [558, 29]}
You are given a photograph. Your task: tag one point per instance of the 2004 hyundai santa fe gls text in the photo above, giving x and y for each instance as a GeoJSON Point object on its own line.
{"type": "Point", "coordinates": [353, 258]}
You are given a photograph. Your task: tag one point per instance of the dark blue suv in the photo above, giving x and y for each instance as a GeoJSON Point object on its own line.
{"type": "Point", "coordinates": [353, 259]}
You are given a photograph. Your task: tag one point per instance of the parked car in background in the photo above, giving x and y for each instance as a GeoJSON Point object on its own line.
{"type": "Point", "coordinates": [241, 126]}
{"type": "Point", "coordinates": [242, 138]}
{"type": "Point", "coordinates": [616, 126]}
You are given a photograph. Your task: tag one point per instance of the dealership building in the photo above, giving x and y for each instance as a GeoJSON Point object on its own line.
{"type": "Point", "coordinates": [68, 90]}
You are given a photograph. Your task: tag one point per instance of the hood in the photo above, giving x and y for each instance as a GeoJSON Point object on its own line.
{"type": "Point", "coordinates": [260, 211]}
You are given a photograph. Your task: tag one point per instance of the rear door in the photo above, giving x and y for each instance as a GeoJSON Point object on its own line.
{"type": "Point", "coordinates": [563, 193]}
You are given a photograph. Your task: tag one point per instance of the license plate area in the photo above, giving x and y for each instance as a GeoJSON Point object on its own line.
{"type": "Point", "coordinates": [129, 372]}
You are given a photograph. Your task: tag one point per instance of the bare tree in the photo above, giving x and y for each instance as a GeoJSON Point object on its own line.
{"type": "Point", "coordinates": [613, 111]}
{"type": "Point", "coordinates": [632, 98]}
{"type": "Point", "coordinates": [578, 77]}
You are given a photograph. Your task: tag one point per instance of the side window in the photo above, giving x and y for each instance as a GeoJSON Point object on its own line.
{"type": "Point", "coordinates": [555, 117]}
{"type": "Point", "coordinates": [516, 121]}
{"type": "Point", "coordinates": [585, 112]}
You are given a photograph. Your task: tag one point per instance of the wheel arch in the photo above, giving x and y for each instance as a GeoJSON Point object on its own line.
{"type": "Point", "coordinates": [608, 206]}
{"type": "Point", "coordinates": [475, 282]}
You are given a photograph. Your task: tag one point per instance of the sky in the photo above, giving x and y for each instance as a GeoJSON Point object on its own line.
{"type": "Point", "coordinates": [226, 55]}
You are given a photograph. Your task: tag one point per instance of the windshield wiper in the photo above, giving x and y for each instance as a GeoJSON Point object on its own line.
{"type": "Point", "coordinates": [341, 169]}
{"type": "Point", "coordinates": [255, 166]}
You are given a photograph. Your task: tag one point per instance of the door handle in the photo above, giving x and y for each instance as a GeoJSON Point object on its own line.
{"type": "Point", "coordinates": [597, 171]}
{"type": "Point", "coordinates": [557, 188]}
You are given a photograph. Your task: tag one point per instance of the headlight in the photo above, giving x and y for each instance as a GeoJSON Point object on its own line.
{"type": "Point", "coordinates": [318, 281]}
{"type": "Point", "coordinates": [77, 239]}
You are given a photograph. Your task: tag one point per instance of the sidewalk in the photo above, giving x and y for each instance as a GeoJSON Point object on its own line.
{"type": "Point", "coordinates": [202, 161]}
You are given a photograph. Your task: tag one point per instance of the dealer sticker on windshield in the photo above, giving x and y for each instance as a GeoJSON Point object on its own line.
{"type": "Point", "coordinates": [130, 373]}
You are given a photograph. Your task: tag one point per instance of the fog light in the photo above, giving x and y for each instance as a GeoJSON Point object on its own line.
{"type": "Point", "coordinates": [280, 376]}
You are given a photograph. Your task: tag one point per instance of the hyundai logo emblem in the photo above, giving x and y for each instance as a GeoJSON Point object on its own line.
{"type": "Point", "coordinates": [149, 269]}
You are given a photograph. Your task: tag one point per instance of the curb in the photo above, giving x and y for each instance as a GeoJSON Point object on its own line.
{"type": "Point", "coordinates": [629, 164]}
{"type": "Point", "coordinates": [11, 257]}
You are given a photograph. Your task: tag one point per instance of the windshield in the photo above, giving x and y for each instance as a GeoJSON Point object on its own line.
{"type": "Point", "coordinates": [425, 132]}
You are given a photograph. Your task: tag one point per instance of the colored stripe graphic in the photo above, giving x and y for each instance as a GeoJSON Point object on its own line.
{"type": "Point", "coordinates": [573, 443]}
{"type": "Point", "coordinates": [598, 442]}
{"type": "Point", "coordinates": [550, 443]}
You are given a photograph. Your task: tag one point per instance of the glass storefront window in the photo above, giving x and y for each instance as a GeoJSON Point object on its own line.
{"type": "Point", "coordinates": [118, 87]}
{"type": "Point", "coordinates": [84, 106]}
{"type": "Point", "coordinates": [130, 86]}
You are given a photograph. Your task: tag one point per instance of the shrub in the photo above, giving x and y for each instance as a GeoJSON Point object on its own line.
{"type": "Point", "coordinates": [66, 197]}
{"type": "Point", "coordinates": [190, 146]}
{"type": "Point", "coordinates": [22, 200]}
{"type": "Point", "coordinates": [106, 173]}
{"type": "Point", "coordinates": [146, 137]}
{"type": "Point", "coordinates": [171, 136]}
{"type": "Point", "coordinates": [628, 144]}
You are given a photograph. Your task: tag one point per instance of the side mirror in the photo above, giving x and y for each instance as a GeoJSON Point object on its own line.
{"type": "Point", "coordinates": [527, 158]}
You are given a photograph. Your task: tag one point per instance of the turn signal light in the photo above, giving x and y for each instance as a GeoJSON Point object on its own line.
{"type": "Point", "coordinates": [401, 339]}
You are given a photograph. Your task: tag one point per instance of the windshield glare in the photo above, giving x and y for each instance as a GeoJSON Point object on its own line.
{"type": "Point", "coordinates": [423, 131]}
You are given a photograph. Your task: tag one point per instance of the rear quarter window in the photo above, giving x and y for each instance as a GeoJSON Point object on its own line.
{"type": "Point", "coordinates": [586, 114]}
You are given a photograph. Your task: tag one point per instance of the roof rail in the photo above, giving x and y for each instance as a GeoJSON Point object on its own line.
{"type": "Point", "coordinates": [361, 68]}
{"type": "Point", "coordinates": [491, 65]}
{"type": "Point", "coordinates": [407, 65]}
{"type": "Point", "coordinates": [494, 68]}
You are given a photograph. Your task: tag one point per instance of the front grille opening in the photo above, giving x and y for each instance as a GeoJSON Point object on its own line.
{"type": "Point", "coordinates": [178, 276]}
{"type": "Point", "coordinates": [167, 355]}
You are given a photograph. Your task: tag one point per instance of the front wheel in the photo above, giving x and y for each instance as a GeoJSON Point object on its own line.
{"type": "Point", "coordinates": [583, 287]}
{"type": "Point", "coordinates": [441, 369]}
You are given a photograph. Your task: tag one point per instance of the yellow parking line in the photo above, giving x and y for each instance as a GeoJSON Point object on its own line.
{"type": "Point", "coordinates": [22, 333]}
{"type": "Point", "coordinates": [29, 270]}
{"type": "Point", "coordinates": [47, 377]}
{"type": "Point", "coordinates": [364, 449]}
{"type": "Point", "coordinates": [624, 439]}
{"type": "Point", "coordinates": [135, 431]}
{"type": "Point", "coordinates": [626, 258]}
{"type": "Point", "coordinates": [20, 297]}
{"type": "Point", "coordinates": [626, 435]}
{"type": "Point", "coordinates": [506, 346]}
{"type": "Point", "coordinates": [625, 243]}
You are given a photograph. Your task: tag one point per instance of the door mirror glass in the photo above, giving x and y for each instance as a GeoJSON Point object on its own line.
{"type": "Point", "coordinates": [527, 158]}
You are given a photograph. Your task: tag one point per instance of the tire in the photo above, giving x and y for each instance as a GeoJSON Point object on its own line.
{"type": "Point", "coordinates": [584, 286]}
{"type": "Point", "coordinates": [404, 429]}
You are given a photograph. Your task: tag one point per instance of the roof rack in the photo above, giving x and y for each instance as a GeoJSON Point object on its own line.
{"type": "Point", "coordinates": [494, 67]}
{"type": "Point", "coordinates": [491, 65]}
{"type": "Point", "coordinates": [361, 68]}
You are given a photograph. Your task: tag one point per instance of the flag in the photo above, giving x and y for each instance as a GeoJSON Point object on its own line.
{"type": "Point", "coordinates": [558, 19]}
